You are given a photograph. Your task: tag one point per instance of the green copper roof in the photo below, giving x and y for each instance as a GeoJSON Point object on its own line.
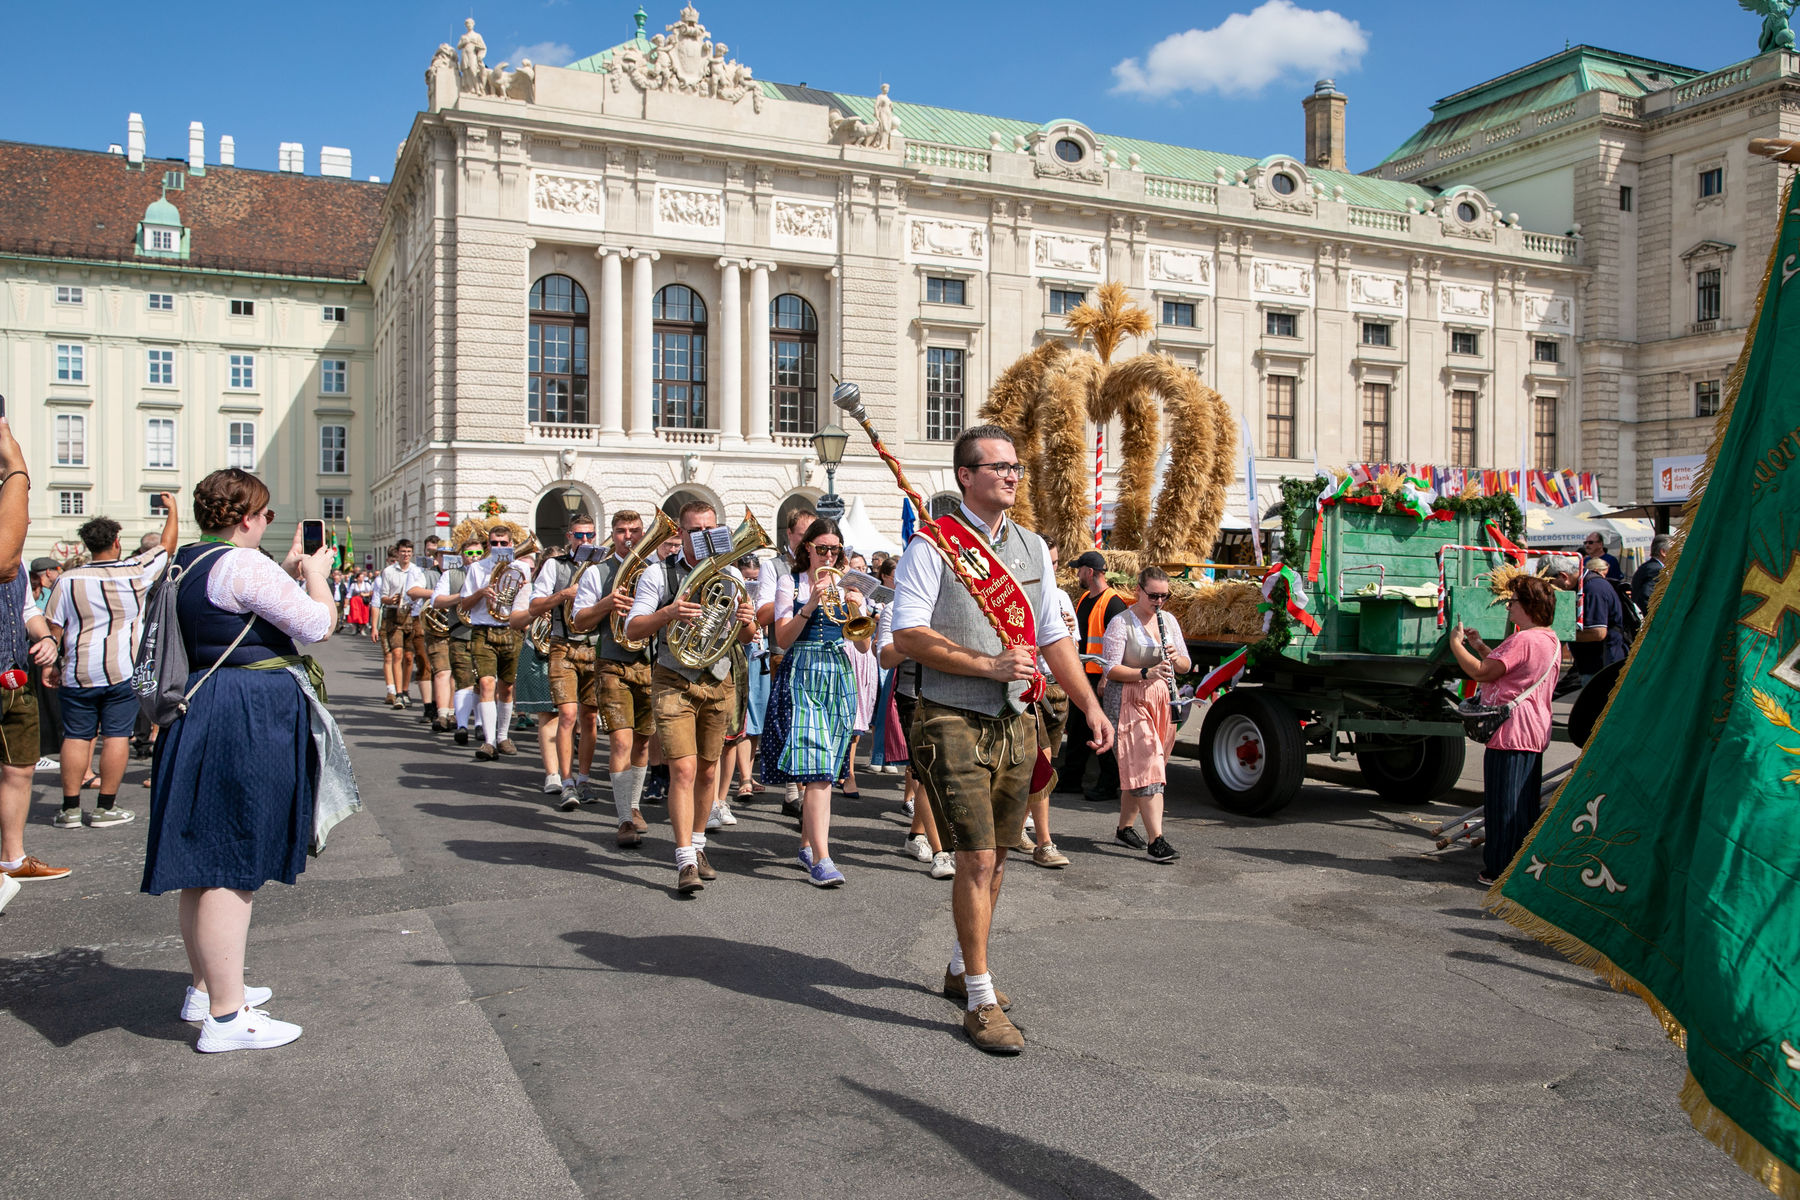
{"type": "Point", "coordinates": [1542, 84]}
{"type": "Point", "coordinates": [161, 212]}
{"type": "Point", "coordinates": [602, 61]}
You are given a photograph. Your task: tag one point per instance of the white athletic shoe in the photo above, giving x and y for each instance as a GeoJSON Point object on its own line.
{"type": "Point", "coordinates": [943, 866]}
{"type": "Point", "coordinates": [907, 808]}
{"type": "Point", "coordinates": [1030, 828]}
{"type": "Point", "coordinates": [251, 1029]}
{"type": "Point", "coordinates": [9, 887]}
{"type": "Point", "coordinates": [918, 847]}
{"type": "Point", "coordinates": [197, 1005]}
{"type": "Point", "coordinates": [726, 816]}
{"type": "Point", "coordinates": [552, 784]}
{"type": "Point", "coordinates": [714, 821]}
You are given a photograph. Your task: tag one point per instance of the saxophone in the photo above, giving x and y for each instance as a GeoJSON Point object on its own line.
{"type": "Point", "coordinates": [700, 643]}
{"type": "Point", "coordinates": [626, 580]}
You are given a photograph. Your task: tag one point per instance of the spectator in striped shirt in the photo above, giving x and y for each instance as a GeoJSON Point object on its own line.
{"type": "Point", "coordinates": [95, 612]}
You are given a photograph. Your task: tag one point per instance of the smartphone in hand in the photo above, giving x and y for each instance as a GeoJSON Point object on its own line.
{"type": "Point", "coordinates": [312, 536]}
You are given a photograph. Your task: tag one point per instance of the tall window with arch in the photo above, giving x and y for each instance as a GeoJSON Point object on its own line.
{"type": "Point", "coordinates": [678, 359]}
{"type": "Point", "coordinates": [794, 364]}
{"type": "Point", "coordinates": [557, 361]}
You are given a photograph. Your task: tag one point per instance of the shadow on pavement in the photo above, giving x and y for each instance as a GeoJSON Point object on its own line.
{"type": "Point", "coordinates": [1414, 869]}
{"type": "Point", "coordinates": [766, 972]}
{"type": "Point", "coordinates": [1016, 1163]}
{"type": "Point", "coordinates": [68, 995]}
{"type": "Point", "coordinates": [1494, 960]}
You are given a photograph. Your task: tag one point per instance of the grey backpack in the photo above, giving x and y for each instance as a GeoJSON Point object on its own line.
{"type": "Point", "coordinates": [159, 673]}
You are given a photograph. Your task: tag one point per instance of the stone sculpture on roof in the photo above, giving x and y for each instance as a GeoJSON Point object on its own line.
{"type": "Point", "coordinates": [467, 63]}
{"type": "Point", "coordinates": [1776, 34]}
{"type": "Point", "coordinates": [881, 133]}
{"type": "Point", "coordinates": [687, 60]}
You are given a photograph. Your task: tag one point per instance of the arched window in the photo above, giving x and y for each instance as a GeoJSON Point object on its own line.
{"type": "Point", "coordinates": [558, 357]}
{"type": "Point", "coordinates": [794, 364]}
{"type": "Point", "coordinates": [678, 359]}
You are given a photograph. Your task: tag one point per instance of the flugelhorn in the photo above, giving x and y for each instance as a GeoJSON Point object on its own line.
{"type": "Point", "coordinates": [626, 581]}
{"type": "Point", "coordinates": [838, 608]}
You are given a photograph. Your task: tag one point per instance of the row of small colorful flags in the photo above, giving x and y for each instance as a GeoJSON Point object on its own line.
{"type": "Point", "coordinates": [1557, 489]}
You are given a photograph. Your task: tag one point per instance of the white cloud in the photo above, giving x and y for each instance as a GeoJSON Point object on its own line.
{"type": "Point", "coordinates": [544, 54]}
{"type": "Point", "coordinates": [1247, 51]}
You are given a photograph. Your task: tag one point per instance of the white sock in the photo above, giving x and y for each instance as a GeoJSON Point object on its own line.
{"type": "Point", "coordinates": [793, 792]}
{"type": "Point", "coordinates": [13, 865]}
{"type": "Point", "coordinates": [626, 787]}
{"type": "Point", "coordinates": [956, 958]}
{"type": "Point", "coordinates": [390, 688]}
{"type": "Point", "coordinates": [505, 726]}
{"type": "Point", "coordinates": [582, 778]}
{"type": "Point", "coordinates": [487, 723]}
{"type": "Point", "coordinates": [981, 990]}
{"type": "Point", "coordinates": [465, 706]}
{"type": "Point", "coordinates": [686, 856]}
{"type": "Point", "coordinates": [698, 841]}
{"type": "Point", "coordinates": [444, 714]}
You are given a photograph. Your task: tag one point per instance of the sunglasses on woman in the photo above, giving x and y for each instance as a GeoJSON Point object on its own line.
{"type": "Point", "coordinates": [1156, 597]}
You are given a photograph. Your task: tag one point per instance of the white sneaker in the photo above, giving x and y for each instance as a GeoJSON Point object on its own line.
{"type": "Point", "coordinates": [251, 1029]}
{"type": "Point", "coordinates": [907, 808]}
{"type": "Point", "coordinates": [552, 784]}
{"type": "Point", "coordinates": [1030, 828]}
{"type": "Point", "coordinates": [918, 847]}
{"type": "Point", "coordinates": [9, 887]}
{"type": "Point", "coordinates": [47, 763]}
{"type": "Point", "coordinates": [714, 822]}
{"type": "Point", "coordinates": [197, 1005]}
{"type": "Point", "coordinates": [725, 815]}
{"type": "Point", "coordinates": [943, 866]}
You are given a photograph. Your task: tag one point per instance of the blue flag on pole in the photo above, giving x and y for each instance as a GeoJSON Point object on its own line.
{"type": "Point", "coordinates": [907, 522]}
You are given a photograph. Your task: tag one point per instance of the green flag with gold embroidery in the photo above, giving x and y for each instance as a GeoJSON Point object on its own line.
{"type": "Point", "coordinates": [1670, 860]}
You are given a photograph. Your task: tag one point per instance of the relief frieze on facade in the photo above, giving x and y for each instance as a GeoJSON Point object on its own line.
{"type": "Point", "coordinates": [1189, 269]}
{"type": "Point", "coordinates": [1384, 292]}
{"type": "Point", "coordinates": [560, 199]}
{"type": "Point", "coordinates": [1548, 313]}
{"type": "Point", "coordinates": [690, 212]}
{"type": "Point", "coordinates": [801, 221]}
{"type": "Point", "coordinates": [1067, 255]}
{"type": "Point", "coordinates": [928, 240]}
{"type": "Point", "coordinates": [1287, 281]}
{"type": "Point", "coordinates": [1465, 301]}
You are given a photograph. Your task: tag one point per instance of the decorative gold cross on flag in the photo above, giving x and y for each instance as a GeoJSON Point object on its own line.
{"type": "Point", "coordinates": [1779, 596]}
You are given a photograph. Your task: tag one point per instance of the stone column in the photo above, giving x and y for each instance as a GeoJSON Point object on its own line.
{"type": "Point", "coordinates": [731, 352]}
{"type": "Point", "coordinates": [612, 343]}
{"type": "Point", "coordinates": [759, 352]}
{"type": "Point", "coordinates": [642, 294]}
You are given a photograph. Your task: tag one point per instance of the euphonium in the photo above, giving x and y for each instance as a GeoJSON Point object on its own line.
{"type": "Point", "coordinates": [700, 643]}
{"type": "Point", "coordinates": [538, 634]}
{"type": "Point", "coordinates": [509, 579]}
{"type": "Point", "coordinates": [437, 621]}
{"type": "Point", "coordinates": [626, 580]}
{"type": "Point", "coordinates": [839, 609]}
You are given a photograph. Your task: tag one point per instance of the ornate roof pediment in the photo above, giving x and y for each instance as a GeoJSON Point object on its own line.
{"type": "Point", "coordinates": [685, 59]}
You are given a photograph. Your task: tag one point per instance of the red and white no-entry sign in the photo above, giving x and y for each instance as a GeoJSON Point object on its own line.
{"type": "Point", "coordinates": [443, 520]}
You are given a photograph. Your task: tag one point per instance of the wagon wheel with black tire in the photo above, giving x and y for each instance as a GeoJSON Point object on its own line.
{"type": "Point", "coordinates": [1251, 753]}
{"type": "Point", "coordinates": [1413, 770]}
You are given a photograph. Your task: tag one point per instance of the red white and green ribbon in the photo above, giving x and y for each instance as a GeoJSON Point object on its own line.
{"type": "Point", "coordinates": [1415, 498]}
{"type": "Point", "coordinates": [1223, 675]}
{"type": "Point", "coordinates": [1296, 598]}
{"type": "Point", "coordinates": [1505, 543]}
{"type": "Point", "coordinates": [1325, 500]}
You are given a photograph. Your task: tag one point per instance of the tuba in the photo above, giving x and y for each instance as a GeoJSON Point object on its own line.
{"type": "Point", "coordinates": [839, 609]}
{"type": "Point", "coordinates": [510, 579]}
{"type": "Point", "coordinates": [627, 579]}
{"type": "Point", "coordinates": [700, 643]}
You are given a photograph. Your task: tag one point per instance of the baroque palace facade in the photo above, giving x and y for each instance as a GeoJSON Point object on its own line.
{"type": "Point", "coordinates": [629, 281]}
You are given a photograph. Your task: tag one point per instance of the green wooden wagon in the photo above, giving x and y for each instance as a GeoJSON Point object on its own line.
{"type": "Point", "coordinates": [1378, 679]}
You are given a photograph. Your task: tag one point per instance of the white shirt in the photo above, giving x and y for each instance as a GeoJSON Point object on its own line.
{"type": "Point", "coordinates": [772, 571]}
{"type": "Point", "coordinates": [649, 595]}
{"type": "Point", "coordinates": [479, 572]}
{"type": "Point", "coordinates": [248, 581]}
{"type": "Point", "coordinates": [921, 573]}
{"type": "Point", "coordinates": [587, 589]}
{"type": "Point", "coordinates": [396, 580]}
{"type": "Point", "coordinates": [419, 602]}
{"type": "Point", "coordinates": [1066, 609]}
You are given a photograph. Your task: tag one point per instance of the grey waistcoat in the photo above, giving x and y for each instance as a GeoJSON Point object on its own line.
{"type": "Point", "coordinates": [460, 629]}
{"type": "Point", "coordinates": [674, 571]}
{"type": "Point", "coordinates": [559, 628]}
{"type": "Point", "coordinates": [957, 617]}
{"type": "Point", "coordinates": [607, 573]}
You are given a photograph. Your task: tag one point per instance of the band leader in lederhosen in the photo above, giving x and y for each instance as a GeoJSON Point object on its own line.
{"type": "Point", "coordinates": [553, 591]}
{"type": "Point", "coordinates": [974, 746]}
{"type": "Point", "coordinates": [398, 581]}
{"type": "Point", "coordinates": [782, 564]}
{"type": "Point", "coordinates": [813, 699]}
{"type": "Point", "coordinates": [469, 539]}
{"type": "Point", "coordinates": [692, 706]}
{"type": "Point", "coordinates": [495, 645]}
{"type": "Point", "coordinates": [621, 677]}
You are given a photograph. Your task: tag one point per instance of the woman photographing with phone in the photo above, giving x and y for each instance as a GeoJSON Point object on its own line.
{"type": "Point", "coordinates": [235, 776]}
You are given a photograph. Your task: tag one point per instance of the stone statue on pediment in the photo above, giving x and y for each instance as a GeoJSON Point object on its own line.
{"type": "Point", "coordinates": [879, 132]}
{"type": "Point", "coordinates": [687, 60]}
{"type": "Point", "coordinates": [1776, 33]}
{"type": "Point", "coordinates": [471, 53]}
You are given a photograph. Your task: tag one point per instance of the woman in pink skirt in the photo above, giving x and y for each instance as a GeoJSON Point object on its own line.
{"type": "Point", "coordinates": [1143, 652]}
{"type": "Point", "coordinates": [866, 667]}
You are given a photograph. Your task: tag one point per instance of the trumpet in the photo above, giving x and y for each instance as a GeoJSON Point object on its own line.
{"type": "Point", "coordinates": [839, 609]}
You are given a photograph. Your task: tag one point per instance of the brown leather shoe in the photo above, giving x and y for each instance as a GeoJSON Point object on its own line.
{"type": "Point", "coordinates": [1047, 855]}
{"type": "Point", "coordinates": [688, 880]}
{"type": "Point", "coordinates": [638, 823]}
{"type": "Point", "coordinates": [989, 1029]}
{"type": "Point", "coordinates": [32, 870]}
{"type": "Point", "coordinates": [705, 868]}
{"type": "Point", "coordinates": [628, 835]}
{"type": "Point", "coordinates": [486, 753]}
{"type": "Point", "coordinates": [957, 990]}
{"type": "Point", "coordinates": [506, 746]}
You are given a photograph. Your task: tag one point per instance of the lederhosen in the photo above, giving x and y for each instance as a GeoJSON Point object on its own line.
{"type": "Point", "coordinates": [462, 662]}
{"type": "Point", "coordinates": [621, 676]}
{"type": "Point", "coordinates": [692, 707]}
{"type": "Point", "coordinates": [495, 644]}
{"type": "Point", "coordinates": [421, 639]}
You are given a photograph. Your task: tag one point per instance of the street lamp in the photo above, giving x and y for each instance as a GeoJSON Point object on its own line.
{"type": "Point", "coordinates": [829, 445]}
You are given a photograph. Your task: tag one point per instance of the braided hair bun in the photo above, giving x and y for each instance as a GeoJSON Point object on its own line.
{"type": "Point", "coordinates": [225, 498]}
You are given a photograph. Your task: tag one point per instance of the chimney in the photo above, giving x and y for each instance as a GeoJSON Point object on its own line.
{"type": "Point", "coordinates": [292, 157]}
{"type": "Point", "coordinates": [196, 148]}
{"type": "Point", "coordinates": [335, 161]}
{"type": "Point", "coordinates": [115, 148]}
{"type": "Point", "coordinates": [1325, 126]}
{"type": "Point", "coordinates": [134, 139]}
{"type": "Point", "coordinates": [227, 151]}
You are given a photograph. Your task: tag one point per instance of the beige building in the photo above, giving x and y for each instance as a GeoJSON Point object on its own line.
{"type": "Point", "coordinates": [1649, 162]}
{"type": "Point", "coordinates": [629, 279]}
{"type": "Point", "coordinates": [160, 319]}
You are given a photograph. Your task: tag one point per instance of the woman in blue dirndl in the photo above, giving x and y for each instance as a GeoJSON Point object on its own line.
{"type": "Point", "coordinates": [812, 703]}
{"type": "Point", "coordinates": [235, 777]}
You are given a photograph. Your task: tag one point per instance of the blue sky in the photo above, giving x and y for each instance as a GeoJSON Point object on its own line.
{"type": "Point", "coordinates": [1224, 76]}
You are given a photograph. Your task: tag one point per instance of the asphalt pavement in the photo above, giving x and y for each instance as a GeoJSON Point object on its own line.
{"type": "Point", "coordinates": [498, 1001]}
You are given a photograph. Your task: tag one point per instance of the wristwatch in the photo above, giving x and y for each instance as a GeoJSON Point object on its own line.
{"type": "Point", "coordinates": [1144, 672]}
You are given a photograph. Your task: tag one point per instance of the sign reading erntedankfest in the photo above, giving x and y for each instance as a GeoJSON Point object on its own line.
{"type": "Point", "coordinates": [1670, 860]}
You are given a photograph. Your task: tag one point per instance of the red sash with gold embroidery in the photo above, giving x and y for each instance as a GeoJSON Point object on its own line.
{"type": "Point", "coordinates": [995, 591]}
